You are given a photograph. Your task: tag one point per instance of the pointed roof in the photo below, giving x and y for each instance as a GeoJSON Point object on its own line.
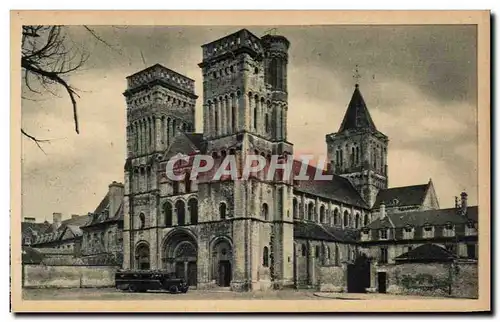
{"type": "Point", "coordinates": [357, 115]}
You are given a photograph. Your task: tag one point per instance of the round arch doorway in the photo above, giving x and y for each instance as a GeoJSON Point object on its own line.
{"type": "Point", "coordinates": [222, 262]}
{"type": "Point", "coordinates": [142, 256]}
{"type": "Point", "coordinates": [180, 256]}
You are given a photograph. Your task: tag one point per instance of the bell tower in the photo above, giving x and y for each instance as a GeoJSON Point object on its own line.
{"type": "Point", "coordinates": [358, 151]}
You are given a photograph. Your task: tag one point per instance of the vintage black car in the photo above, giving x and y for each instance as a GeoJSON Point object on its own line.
{"type": "Point", "coordinates": [144, 280]}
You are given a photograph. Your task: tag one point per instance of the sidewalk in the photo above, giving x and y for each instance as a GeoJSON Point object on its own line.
{"type": "Point", "coordinates": [374, 296]}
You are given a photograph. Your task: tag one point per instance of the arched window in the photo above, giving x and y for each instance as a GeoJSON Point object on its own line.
{"type": "Point", "coordinates": [326, 251]}
{"type": "Point", "coordinates": [295, 209]}
{"type": "Point", "coordinates": [357, 220]}
{"type": "Point", "coordinates": [222, 210]}
{"type": "Point", "coordinates": [181, 212]}
{"type": "Point", "coordinates": [304, 250]}
{"type": "Point", "coordinates": [187, 182]}
{"type": "Point", "coordinates": [265, 257]}
{"type": "Point", "coordinates": [142, 221]}
{"type": "Point", "coordinates": [366, 220]}
{"type": "Point", "coordinates": [193, 211]}
{"type": "Point", "coordinates": [273, 75]}
{"type": "Point", "coordinates": [265, 211]}
{"type": "Point", "coordinates": [353, 156]}
{"type": "Point", "coordinates": [255, 115]}
{"type": "Point", "coordinates": [322, 214]}
{"type": "Point", "coordinates": [167, 208]}
{"type": "Point", "coordinates": [357, 155]}
{"type": "Point", "coordinates": [336, 217]}
{"type": "Point", "coordinates": [346, 219]}
{"type": "Point", "coordinates": [175, 187]}
{"type": "Point", "coordinates": [310, 211]}
{"type": "Point", "coordinates": [317, 251]}
{"type": "Point", "coordinates": [267, 123]}
{"type": "Point", "coordinates": [337, 256]}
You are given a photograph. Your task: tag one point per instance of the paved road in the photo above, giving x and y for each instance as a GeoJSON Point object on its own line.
{"type": "Point", "coordinates": [113, 294]}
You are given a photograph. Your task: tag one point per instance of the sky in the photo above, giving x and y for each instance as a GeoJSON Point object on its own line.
{"type": "Point", "coordinates": [419, 83]}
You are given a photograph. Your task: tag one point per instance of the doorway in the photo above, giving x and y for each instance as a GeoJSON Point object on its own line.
{"type": "Point", "coordinates": [358, 275]}
{"type": "Point", "coordinates": [382, 282]}
{"type": "Point", "coordinates": [192, 274]}
{"type": "Point", "coordinates": [224, 273]}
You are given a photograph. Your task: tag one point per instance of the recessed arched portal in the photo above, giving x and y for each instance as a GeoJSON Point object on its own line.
{"type": "Point", "coordinates": [222, 261]}
{"type": "Point", "coordinates": [142, 255]}
{"type": "Point", "coordinates": [180, 254]}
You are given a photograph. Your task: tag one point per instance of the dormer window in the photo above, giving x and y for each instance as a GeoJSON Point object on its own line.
{"type": "Point", "coordinates": [428, 231]}
{"type": "Point", "coordinates": [448, 230]}
{"type": "Point", "coordinates": [408, 232]}
{"type": "Point", "coordinates": [365, 234]}
{"type": "Point", "coordinates": [383, 233]}
{"type": "Point", "coordinates": [470, 229]}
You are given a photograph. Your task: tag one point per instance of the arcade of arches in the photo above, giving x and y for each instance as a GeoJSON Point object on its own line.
{"type": "Point", "coordinates": [180, 255]}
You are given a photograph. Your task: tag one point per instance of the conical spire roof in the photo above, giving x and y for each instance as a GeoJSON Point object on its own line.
{"type": "Point", "coordinates": [357, 115]}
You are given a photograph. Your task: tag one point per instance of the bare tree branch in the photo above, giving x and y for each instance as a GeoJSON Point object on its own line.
{"type": "Point", "coordinates": [34, 139]}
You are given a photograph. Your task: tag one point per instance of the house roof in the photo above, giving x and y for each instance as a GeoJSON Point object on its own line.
{"type": "Point", "coordinates": [338, 188]}
{"type": "Point", "coordinates": [357, 115]}
{"type": "Point", "coordinates": [435, 217]}
{"type": "Point", "coordinates": [402, 196]}
{"type": "Point", "coordinates": [53, 233]}
{"type": "Point", "coordinates": [312, 230]}
{"type": "Point", "coordinates": [427, 253]}
{"type": "Point", "coordinates": [33, 228]}
{"type": "Point", "coordinates": [31, 256]}
{"type": "Point", "coordinates": [102, 215]}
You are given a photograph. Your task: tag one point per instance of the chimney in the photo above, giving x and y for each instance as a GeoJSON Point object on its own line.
{"type": "Point", "coordinates": [29, 219]}
{"type": "Point", "coordinates": [382, 210]}
{"type": "Point", "coordinates": [57, 219]}
{"type": "Point", "coordinates": [463, 206]}
{"type": "Point", "coordinates": [115, 197]}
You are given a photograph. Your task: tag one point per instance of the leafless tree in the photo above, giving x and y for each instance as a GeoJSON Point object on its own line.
{"type": "Point", "coordinates": [48, 57]}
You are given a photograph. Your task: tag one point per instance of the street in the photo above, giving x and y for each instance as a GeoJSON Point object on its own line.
{"type": "Point", "coordinates": [111, 294]}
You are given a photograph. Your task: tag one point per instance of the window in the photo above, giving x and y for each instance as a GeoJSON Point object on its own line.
{"type": "Point", "coordinates": [27, 241]}
{"type": "Point", "coordinates": [470, 229]}
{"type": "Point", "coordinates": [428, 231]}
{"type": "Point", "coordinates": [256, 70]}
{"type": "Point", "coordinates": [222, 210]}
{"type": "Point", "coordinates": [193, 211]}
{"type": "Point", "coordinates": [175, 187]}
{"type": "Point", "coordinates": [336, 217]}
{"type": "Point", "coordinates": [383, 233]}
{"type": "Point", "coordinates": [255, 117]}
{"type": "Point", "coordinates": [448, 230]}
{"type": "Point", "coordinates": [366, 220]}
{"type": "Point", "coordinates": [471, 251]}
{"type": "Point", "coordinates": [337, 256]}
{"type": "Point", "coordinates": [322, 214]}
{"type": "Point", "coordinates": [181, 212]}
{"type": "Point", "coordinates": [142, 221]}
{"type": "Point", "coordinates": [265, 257]}
{"type": "Point", "coordinates": [187, 182]}
{"type": "Point", "coordinates": [408, 232]}
{"type": "Point", "coordinates": [317, 251]}
{"type": "Point", "coordinates": [346, 218]}
{"type": "Point", "coordinates": [304, 250]}
{"type": "Point", "coordinates": [167, 206]}
{"type": "Point", "coordinates": [357, 221]}
{"type": "Point", "coordinates": [295, 209]}
{"type": "Point", "coordinates": [383, 255]}
{"type": "Point", "coordinates": [265, 211]}
{"type": "Point", "coordinates": [310, 211]}
{"type": "Point", "coordinates": [267, 123]}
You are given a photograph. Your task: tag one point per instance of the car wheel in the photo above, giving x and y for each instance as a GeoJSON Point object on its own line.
{"type": "Point", "coordinates": [173, 289]}
{"type": "Point", "coordinates": [132, 288]}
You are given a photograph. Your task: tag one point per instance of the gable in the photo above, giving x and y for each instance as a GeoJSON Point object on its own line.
{"type": "Point", "coordinates": [430, 198]}
{"type": "Point", "coordinates": [402, 196]}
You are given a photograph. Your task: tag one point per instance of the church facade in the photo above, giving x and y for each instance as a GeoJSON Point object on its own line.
{"type": "Point", "coordinates": [250, 234]}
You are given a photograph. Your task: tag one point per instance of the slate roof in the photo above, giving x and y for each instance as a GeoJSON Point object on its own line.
{"type": "Point", "coordinates": [31, 256]}
{"type": "Point", "coordinates": [434, 217]}
{"type": "Point", "coordinates": [315, 231]}
{"type": "Point", "coordinates": [405, 196]}
{"type": "Point", "coordinates": [52, 234]}
{"type": "Point", "coordinates": [338, 189]}
{"type": "Point", "coordinates": [102, 215]}
{"type": "Point", "coordinates": [33, 228]}
{"type": "Point", "coordinates": [426, 253]}
{"type": "Point", "coordinates": [357, 115]}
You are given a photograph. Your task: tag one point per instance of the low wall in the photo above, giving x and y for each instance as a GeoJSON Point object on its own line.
{"type": "Point", "coordinates": [434, 279]}
{"type": "Point", "coordinates": [331, 279]}
{"type": "Point", "coordinates": [44, 276]}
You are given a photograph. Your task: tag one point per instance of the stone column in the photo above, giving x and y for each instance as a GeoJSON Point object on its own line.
{"type": "Point", "coordinates": [218, 110]}
{"type": "Point", "coordinates": [311, 263]}
{"type": "Point", "coordinates": [229, 108]}
{"type": "Point", "coordinates": [316, 210]}
{"type": "Point", "coordinates": [203, 264]}
{"type": "Point", "coordinates": [278, 121]}
{"type": "Point", "coordinates": [158, 133]}
{"type": "Point", "coordinates": [284, 123]}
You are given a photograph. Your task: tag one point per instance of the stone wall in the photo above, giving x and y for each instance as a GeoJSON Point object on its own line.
{"type": "Point", "coordinates": [332, 278]}
{"type": "Point", "coordinates": [43, 276]}
{"type": "Point", "coordinates": [434, 279]}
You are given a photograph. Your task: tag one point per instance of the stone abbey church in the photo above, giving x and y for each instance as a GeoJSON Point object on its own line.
{"type": "Point", "coordinates": [258, 234]}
